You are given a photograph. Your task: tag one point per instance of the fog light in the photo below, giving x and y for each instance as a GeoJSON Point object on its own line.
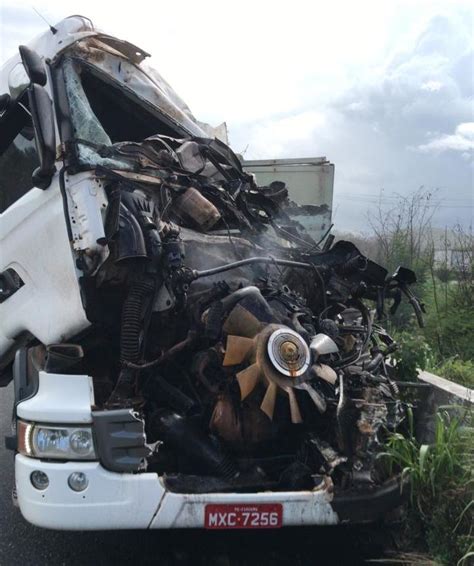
{"type": "Point", "coordinates": [78, 481]}
{"type": "Point", "coordinates": [39, 480]}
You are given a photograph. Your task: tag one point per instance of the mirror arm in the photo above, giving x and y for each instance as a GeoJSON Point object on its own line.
{"type": "Point", "coordinates": [43, 121]}
{"type": "Point", "coordinates": [41, 179]}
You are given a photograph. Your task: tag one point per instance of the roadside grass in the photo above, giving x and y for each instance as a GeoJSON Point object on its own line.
{"type": "Point", "coordinates": [457, 370]}
{"type": "Point", "coordinates": [415, 353]}
{"type": "Point", "coordinates": [404, 559]}
{"type": "Point", "coordinates": [441, 480]}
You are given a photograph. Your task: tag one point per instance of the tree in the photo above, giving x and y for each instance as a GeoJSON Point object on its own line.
{"type": "Point", "coordinates": [403, 232]}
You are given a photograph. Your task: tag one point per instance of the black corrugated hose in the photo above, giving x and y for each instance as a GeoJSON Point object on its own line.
{"type": "Point", "coordinates": [132, 319]}
{"type": "Point", "coordinates": [133, 315]}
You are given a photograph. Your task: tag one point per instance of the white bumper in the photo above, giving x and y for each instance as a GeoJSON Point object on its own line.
{"type": "Point", "coordinates": [140, 501]}
{"type": "Point", "coordinates": [111, 501]}
{"type": "Point", "coordinates": [178, 511]}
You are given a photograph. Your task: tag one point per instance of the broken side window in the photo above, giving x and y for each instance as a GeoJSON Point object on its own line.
{"type": "Point", "coordinates": [103, 113]}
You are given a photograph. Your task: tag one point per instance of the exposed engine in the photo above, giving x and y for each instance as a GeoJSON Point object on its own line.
{"type": "Point", "coordinates": [248, 350]}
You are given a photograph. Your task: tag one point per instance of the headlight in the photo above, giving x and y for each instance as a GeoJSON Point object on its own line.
{"type": "Point", "coordinates": [69, 442]}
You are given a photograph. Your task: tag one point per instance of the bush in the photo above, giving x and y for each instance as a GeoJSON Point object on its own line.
{"type": "Point", "coordinates": [441, 486]}
{"type": "Point", "coordinates": [449, 318]}
{"type": "Point", "coordinates": [413, 353]}
{"type": "Point", "coordinates": [460, 371]}
{"type": "Point", "coordinates": [444, 274]}
{"type": "Point", "coordinates": [451, 331]}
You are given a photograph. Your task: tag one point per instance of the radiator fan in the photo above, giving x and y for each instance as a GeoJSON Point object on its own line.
{"type": "Point", "coordinates": [277, 357]}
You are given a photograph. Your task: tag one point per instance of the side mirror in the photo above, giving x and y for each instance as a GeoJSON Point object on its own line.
{"type": "Point", "coordinates": [42, 115]}
{"type": "Point", "coordinates": [30, 75]}
{"type": "Point", "coordinates": [33, 65]}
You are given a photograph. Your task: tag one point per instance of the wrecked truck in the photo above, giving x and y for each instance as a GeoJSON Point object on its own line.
{"type": "Point", "coordinates": [183, 352]}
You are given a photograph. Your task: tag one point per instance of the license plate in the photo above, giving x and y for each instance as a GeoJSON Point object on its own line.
{"type": "Point", "coordinates": [244, 516]}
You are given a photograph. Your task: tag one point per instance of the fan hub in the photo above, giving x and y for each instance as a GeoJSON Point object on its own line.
{"type": "Point", "coordinates": [288, 352]}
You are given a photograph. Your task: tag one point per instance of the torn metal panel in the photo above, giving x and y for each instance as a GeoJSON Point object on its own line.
{"type": "Point", "coordinates": [118, 46]}
{"type": "Point", "coordinates": [87, 203]}
{"type": "Point", "coordinates": [127, 69]}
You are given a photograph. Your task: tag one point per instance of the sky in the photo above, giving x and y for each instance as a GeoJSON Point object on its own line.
{"type": "Point", "coordinates": [384, 89]}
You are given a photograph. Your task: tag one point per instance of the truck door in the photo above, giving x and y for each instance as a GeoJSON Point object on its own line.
{"type": "Point", "coordinates": [18, 160]}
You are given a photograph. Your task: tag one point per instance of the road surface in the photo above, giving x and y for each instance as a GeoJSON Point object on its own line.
{"type": "Point", "coordinates": [25, 545]}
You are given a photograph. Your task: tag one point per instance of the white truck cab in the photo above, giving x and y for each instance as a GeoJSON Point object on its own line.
{"type": "Point", "coordinates": [184, 353]}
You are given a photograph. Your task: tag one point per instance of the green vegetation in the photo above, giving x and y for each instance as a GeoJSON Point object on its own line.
{"type": "Point", "coordinates": [446, 345]}
{"type": "Point", "coordinates": [441, 477]}
{"type": "Point", "coordinates": [444, 265]}
{"type": "Point", "coordinates": [460, 371]}
{"type": "Point", "coordinates": [413, 353]}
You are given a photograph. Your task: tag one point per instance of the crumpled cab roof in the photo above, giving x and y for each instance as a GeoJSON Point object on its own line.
{"type": "Point", "coordinates": [77, 34]}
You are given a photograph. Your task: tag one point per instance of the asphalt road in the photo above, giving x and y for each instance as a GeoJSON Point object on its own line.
{"type": "Point", "coordinates": [25, 545]}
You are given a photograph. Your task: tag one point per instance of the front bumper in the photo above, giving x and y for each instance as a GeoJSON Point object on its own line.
{"type": "Point", "coordinates": [141, 501]}
{"type": "Point", "coordinates": [111, 500]}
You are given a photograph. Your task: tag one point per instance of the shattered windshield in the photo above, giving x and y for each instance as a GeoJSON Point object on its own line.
{"type": "Point", "coordinates": [104, 112]}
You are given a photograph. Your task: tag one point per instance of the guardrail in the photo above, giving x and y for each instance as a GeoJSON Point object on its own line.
{"type": "Point", "coordinates": [449, 387]}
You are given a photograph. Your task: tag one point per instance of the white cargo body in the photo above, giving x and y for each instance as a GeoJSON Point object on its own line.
{"type": "Point", "coordinates": [310, 181]}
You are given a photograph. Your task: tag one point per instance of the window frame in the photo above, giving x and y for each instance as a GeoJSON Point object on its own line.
{"type": "Point", "coordinates": [65, 124]}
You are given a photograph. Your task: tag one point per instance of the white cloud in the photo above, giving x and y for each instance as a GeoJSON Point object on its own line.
{"type": "Point", "coordinates": [360, 82]}
{"type": "Point", "coordinates": [466, 130]}
{"type": "Point", "coordinates": [462, 140]}
{"type": "Point", "coordinates": [431, 86]}
{"type": "Point", "coordinates": [272, 137]}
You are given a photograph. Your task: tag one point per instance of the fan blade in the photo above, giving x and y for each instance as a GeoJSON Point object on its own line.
{"type": "Point", "coordinates": [294, 409]}
{"type": "Point", "coordinates": [237, 350]}
{"type": "Point", "coordinates": [318, 399]}
{"type": "Point", "coordinates": [268, 403]}
{"type": "Point", "coordinates": [241, 322]}
{"type": "Point", "coordinates": [248, 379]}
{"type": "Point", "coordinates": [325, 372]}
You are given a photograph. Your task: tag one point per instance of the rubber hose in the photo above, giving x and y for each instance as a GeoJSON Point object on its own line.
{"type": "Point", "coordinates": [132, 319]}
{"type": "Point", "coordinates": [231, 300]}
{"type": "Point", "coordinates": [375, 362]}
{"type": "Point", "coordinates": [197, 448]}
